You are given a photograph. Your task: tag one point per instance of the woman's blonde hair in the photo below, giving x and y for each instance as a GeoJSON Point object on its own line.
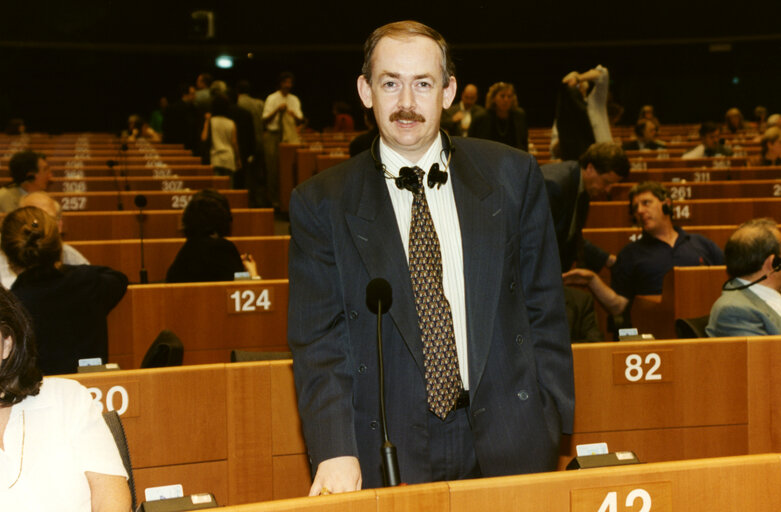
{"type": "Point", "coordinates": [496, 89]}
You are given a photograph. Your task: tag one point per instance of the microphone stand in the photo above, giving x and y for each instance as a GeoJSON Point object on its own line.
{"type": "Point", "coordinates": [390, 463]}
{"type": "Point", "coordinates": [140, 201]}
{"type": "Point", "coordinates": [111, 164]}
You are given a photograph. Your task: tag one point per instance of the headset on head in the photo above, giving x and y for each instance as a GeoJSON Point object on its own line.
{"type": "Point", "coordinates": [776, 268]}
{"type": "Point", "coordinates": [407, 178]}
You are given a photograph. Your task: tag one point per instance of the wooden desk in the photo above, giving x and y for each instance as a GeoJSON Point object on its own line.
{"type": "Point", "coordinates": [156, 200]}
{"type": "Point", "coordinates": [157, 224]}
{"type": "Point", "coordinates": [101, 171]}
{"type": "Point", "coordinates": [705, 485]}
{"type": "Point", "coordinates": [234, 429]}
{"type": "Point", "coordinates": [709, 190]}
{"type": "Point", "coordinates": [269, 252]}
{"type": "Point", "coordinates": [211, 319]}
{"type": "Point", "coordinates": [688, 292]}
{"type": "Point", "coordinates": [170, 184]}
{"type": "Point", "coordinates": [696, 174]}
{"type": "Point", "coordinates": [702, 212]}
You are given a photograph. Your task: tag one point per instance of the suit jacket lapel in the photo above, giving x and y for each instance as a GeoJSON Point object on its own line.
{"type": "Point", "coordinates": [375, 234]}
{"type": "Point", "coordinates": [482, 224]}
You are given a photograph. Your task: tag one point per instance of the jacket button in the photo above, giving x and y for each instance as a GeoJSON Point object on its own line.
{"type": "Point", "coordinates": [523, 395]}
{"type": "Point", "coordinates": [373, 425]}
{"type": "Point", "coordinates": [519, 339]}
{"type": "Point", "coordinates": [353, 314]}
{"type": "Point", "coordinates": [362, 368]}
{"type": "Point", "coordinates": [512, 286]}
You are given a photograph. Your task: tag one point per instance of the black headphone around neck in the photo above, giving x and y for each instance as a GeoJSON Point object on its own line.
{"type": "Point", "coordinates": [408, 178]}
{"type": "Point", "coordinates": [776, 268]}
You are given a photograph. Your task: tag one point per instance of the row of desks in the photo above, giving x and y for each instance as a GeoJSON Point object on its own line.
{"type": "Point", "coordinates": [175, 199]}
{"type": "Point", "coordinates": [233, 429]}
{"type": "Point", "coordinates": [116, 225]}
{"type": "Point", "coordinates": [692, 212]}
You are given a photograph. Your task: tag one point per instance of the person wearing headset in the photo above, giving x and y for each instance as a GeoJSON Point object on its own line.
{"type": "Point", "coordinates": [750, 303]}
{"type": "Point", "coordinates": [30, 173]}
{"type": "Point", "coordinates": [645, 131]}
{"type": "Point", "coordinates": [641, 265]}
{"type": "Point", "coordinates": [477, 356]}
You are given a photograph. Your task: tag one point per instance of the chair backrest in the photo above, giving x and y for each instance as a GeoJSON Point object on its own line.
{"type": "Point", "coordinates": [687, 328]}
{"type": "Point", "coordinates": [166, 350]}
{"type": "Point", "coordinates": [115, 426]}
{"type": "Point", "coordinates": [239, 356]}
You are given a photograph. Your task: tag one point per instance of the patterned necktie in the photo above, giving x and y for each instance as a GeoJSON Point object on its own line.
{"type": "Point", "coordinates": [440, 359]}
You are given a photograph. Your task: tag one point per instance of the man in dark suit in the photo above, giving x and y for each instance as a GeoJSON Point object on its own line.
{"type": "Point", "coordinates": [571, 186]}
{"type": "Point", "coordinates": [457, 119]}
{"type": "Point", "coordinates": [504, 397]}
{"type": "Point", "coordinates": [645, 131]}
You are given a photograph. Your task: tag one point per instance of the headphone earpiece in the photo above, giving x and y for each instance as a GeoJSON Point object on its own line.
{"type": "Point", "coordinates": [776, 263]}
{"type": "Point", "coordinates": [407, 178]}
{"type": "Point", "coordinates": [667, 209]}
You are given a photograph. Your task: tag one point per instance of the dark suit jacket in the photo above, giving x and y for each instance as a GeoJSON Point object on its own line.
{"type": "Point", "coordinates": [562, 180]}
{"type": "Point", "coordinates": [454, 127]}
{"type": "Point", "coordinates": [344, 233]}
{"type": "Point", "coordinates": [486, 126]}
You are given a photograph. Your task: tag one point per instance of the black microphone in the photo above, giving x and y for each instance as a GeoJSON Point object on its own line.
{"type": "Point", "coordinates": [379, 298]}
{"type": "Point", "coordinates": [140, 202]}
{"type": "Point", "coordinates": [111, 164]}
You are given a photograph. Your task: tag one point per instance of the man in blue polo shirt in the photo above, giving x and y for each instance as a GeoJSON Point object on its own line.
{"type": "Point", "coordinates": [641, 266]}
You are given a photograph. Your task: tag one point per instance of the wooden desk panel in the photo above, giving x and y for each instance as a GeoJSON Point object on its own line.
{"type": "Point", "coordinates": [133, 171]}
{"type": "Point", "coordinates": [157, 224]}
{"type": "Point", "coordinates": [695, 394]}
{"type": "Point", "coordinates": [688, 292]}
{"type": "Point", "coordinates": [728, 484]}
{"type": "Point", "coordinates": [702, 212]}
{"type": "Point", "coordinates": [270, 254]}
{"type": "Point", "coordinates": [110, 201]}
{"type": "Point", "coordinates": [703, 485]}
{"type": "Point", "coordinates": [705, 174]}
{"type": "Point", "coordinates": [709, 189]}
{"type": "Point", "coordinates": [110, 184]}
{"type": "Point", "coordinates": [198, 314]}
{"type": "Point", "coordinates": [176, 416]}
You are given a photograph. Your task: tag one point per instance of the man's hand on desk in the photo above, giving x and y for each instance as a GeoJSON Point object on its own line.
{"type": "Point", "coordinates": [339, 474]}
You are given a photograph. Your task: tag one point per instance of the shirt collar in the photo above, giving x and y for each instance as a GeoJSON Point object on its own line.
{"type": "Point", "coordinates": [394, 161]}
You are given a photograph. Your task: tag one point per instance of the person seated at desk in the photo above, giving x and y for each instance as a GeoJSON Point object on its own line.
{"type": "Point", "coordinates": [770, 147]}
{"type": "Point", "coordinates": [750, 303]}
{"type": "Point", "coordinates": [30, 172]}
{"type": "Point", "coordinates": [207, 255]}
{"type": "Point", "coordinates": [70, 256]}
{"type": "Point", "coordinates": [641, 265]}
{"type": "Point", "coordinates": [711, 145]}
{"type": "Point", "coordinates": [503, 120]}
{"type": "Point", "coordinates": [68, 304]}
{"type": "Point", "coordinates": [645, 130]}
{"type": "Point", "coordinates": [56, 452]}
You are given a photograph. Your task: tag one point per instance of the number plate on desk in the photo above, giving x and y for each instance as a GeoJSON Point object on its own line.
{"type": "Point", "coordinates": [250, 300]}
{"type": "Point", "coordinates": [641, 497]}
{"type": "Point", "coordinates": [642, 367]}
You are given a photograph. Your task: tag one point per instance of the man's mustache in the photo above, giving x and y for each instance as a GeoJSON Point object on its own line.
{"type": "Point", "coordinates": [407, 115]}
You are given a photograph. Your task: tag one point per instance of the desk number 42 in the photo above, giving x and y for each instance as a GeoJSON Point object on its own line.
{"type": "Point", "coordinates": [610, 504]}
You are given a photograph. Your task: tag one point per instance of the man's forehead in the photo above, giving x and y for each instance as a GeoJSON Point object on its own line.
{"type": "Point", "coordinates": [394, 51]}
{"type": "Point", "coordinates": [643, 196]}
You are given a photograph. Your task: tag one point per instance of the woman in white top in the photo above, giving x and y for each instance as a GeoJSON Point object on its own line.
{"type": "Point", "coordinates": [224, 150]}
{"type": "Point", "coordinates": [56, 452]}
